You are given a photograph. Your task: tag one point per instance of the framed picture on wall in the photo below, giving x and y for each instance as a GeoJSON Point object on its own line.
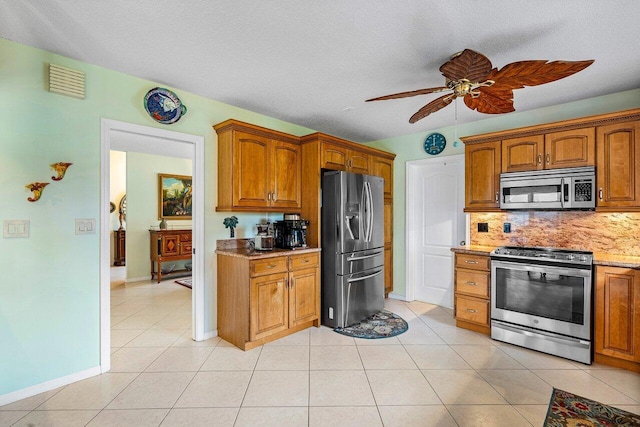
{"type": "Point", "coordinates": [174, 196]}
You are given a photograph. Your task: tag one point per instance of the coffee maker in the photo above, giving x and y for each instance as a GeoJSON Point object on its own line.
{"type": "Point", "coordinates": [263, 241]}
{"type": "Point", "coordinates": [291, 232]}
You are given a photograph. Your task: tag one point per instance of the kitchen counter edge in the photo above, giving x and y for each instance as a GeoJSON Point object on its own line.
{"type": "Point", "coordinates": [599, 258]}
{"type": "Point", "coordinates": [254, 254]}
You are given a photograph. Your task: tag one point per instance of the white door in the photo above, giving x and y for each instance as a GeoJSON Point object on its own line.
{"type": "Point", "coordinates": [435, 224]}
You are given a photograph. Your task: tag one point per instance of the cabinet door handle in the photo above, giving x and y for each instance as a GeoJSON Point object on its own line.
{"type": "Point", "coordinates": [497, 196]}
{"type": "Point", "coordinates": [269, 196]}
{"type": "Point", "coordinates": [539, 158]}
{"type": "Point", "coordinates": [305, 261]}
{"type": "Point", "coordinates": [601, 193]}
{"type": "Point", "coordinates": [469, 261]}
{"type": "Point", "coordinates": [548, 158]}
{"type": "Point", "coordinates": [286, 283]}
{"type": "Point", "coordinates": [292, 282]}
{"type": "Point", "coordinates": [271, 266]}
{"type": "Point", "coordinates": [471, 310]}
{"type": "Point", "coordinates": [273, 196]}
{"type": "Point", "coordinates": [471, 283]}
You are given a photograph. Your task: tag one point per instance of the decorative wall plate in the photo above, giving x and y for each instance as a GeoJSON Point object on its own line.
{"type": "Point", "coordinates": [164, 106]}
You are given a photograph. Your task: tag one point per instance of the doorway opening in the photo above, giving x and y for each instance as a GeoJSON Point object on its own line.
{"type": "Point", "coordinates": [131, 138]}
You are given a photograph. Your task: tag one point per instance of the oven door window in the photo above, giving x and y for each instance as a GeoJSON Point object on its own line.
{"type": "Point", "coordinates": [554, 296]}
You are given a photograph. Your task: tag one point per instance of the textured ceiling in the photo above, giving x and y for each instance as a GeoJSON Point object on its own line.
{"type": "Point", "coordinates": [313, 63]}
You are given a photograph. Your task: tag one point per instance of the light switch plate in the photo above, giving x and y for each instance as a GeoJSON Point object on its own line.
{"type": "Point", "coordinates": [15, 228]}
{"type": "Point", "coordinates": [85, 226]}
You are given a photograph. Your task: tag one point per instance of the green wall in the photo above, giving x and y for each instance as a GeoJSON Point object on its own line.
{"type": "Point", "coordinates": [409, 147]}
{"type": "Point", "coordinates": [49, 290]}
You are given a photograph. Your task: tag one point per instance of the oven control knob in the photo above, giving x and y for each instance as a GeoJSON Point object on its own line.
{"type": "Point", "coordinates": [570, 257]}
{"type": "Point", "coordinates": [583, 258]}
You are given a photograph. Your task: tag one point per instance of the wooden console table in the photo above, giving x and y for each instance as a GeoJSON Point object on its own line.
{"type": "Point", "coordinates": [167, 246]}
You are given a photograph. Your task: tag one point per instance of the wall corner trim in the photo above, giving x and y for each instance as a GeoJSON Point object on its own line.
{"type": "Point", "coordinates": [209, 335]}
{"type": "Point", "coordinates": [48, 385]}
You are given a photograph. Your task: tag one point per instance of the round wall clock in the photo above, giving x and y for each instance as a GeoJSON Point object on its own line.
{"type": "Point", "coordinates": [434, 143]}
{"type": "Point", "coordinates": [164, 106]}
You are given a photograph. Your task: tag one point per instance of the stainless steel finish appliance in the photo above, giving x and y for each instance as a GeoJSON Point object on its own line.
{"type": "Point", "coordinates": [541, 298]}
{"type": "Point", "coordinates": [263, 241]}
{"type": "Point", "coordinates": [291, 233]}
{"type": "Point", "coordinates": [352, 247]}
{"type": "Point", "coordinates": [570, 188]}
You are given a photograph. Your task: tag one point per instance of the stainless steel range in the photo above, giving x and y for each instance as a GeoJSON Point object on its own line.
{"type": "Point", "coordinates": [541, 298]}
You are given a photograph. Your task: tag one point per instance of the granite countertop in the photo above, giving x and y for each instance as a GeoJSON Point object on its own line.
{"type": "Point", "coordinates": [599, 258]}
{"type": "Point", "coordinates": [254, 254]}
{"type": "Point", "coordinates": [473, 249]}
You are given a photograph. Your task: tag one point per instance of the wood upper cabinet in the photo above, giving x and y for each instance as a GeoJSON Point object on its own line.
{"type": "Point", "coordinates": [522, 154]}
{"type": "Point", "coordinates": [617, 313]}
{"type": "Point", "coordinates": [258, 169]}
{"type": "Point", "coordinates": [564, 149]}
{"type": "Point", "coordinates": [570, 148]}
{"type": "Point", "coordinates": [339, 157]}
{"type": "Point", "coordinates": [383, 167]}
{"type": "Point", "coordinates": [618, 166]}
{"type": "Point", "coordinates": [482, 176]}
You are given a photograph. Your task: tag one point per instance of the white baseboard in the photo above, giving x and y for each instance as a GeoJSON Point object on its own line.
{"type": "Point", "coordinates": [210, 334]}
{"type": "Point", "coordinates": [398, 297]}
{"type": "Point", "coordinates": [47, 386]}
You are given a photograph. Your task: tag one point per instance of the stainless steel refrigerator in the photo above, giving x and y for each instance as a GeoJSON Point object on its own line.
{"type": "Point", "coordinates": [352, 247]}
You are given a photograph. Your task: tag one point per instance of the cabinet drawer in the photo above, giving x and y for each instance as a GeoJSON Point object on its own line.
{"type": "Point", "coordinates": [186, 248]}
{"type": "Point", "coordinates": [303, 261]}
{"type": "Point", "coordinates": [185, 237]}
{"type": "Point", "coordinates": [472, 310]}
{"type": "Point", "coordinates": [268, 266]}
{"type": "Point", "coordinates": [474, 262]}
{"type": "Point", "coordinates": [474, 283]}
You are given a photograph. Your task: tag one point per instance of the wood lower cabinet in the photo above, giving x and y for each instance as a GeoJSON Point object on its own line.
{"type": "Point", "coordinates": [260, 300]}
{"type": "Point", "coordinates": [258, 169]}
{"type": "Point", "coordinates": [618, 170]}
{"type": "Point", "coordinates": [482, 176]}
{"type": "Point", "coordinates": [472, 281]}
{"type": "Point", "coordinates": [167, 246]}
{"type": "Point", "coordinates": [617, 317]}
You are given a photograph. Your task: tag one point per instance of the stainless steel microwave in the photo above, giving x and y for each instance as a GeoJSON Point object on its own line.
{"type": "Point", "coordinates": [554, 189]}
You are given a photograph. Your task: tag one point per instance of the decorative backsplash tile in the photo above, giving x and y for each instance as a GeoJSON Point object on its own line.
{"type": "Point", "coordinates": [612, 233]}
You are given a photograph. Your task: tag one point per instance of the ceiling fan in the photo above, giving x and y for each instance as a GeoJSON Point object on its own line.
{"type": "Point", "coordinates": [469, 74]}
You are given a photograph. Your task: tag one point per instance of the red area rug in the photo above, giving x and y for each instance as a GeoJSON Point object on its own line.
{"type": "Point", "coordinates": [185, 282]}
{"type": "Point", "coordinates": [568, 410]}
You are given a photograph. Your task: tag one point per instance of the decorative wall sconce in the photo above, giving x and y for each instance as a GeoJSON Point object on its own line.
{"type": "Point", "coordinates": [36, 188]}
{"type": "Point", "coordinates": [61, 169]}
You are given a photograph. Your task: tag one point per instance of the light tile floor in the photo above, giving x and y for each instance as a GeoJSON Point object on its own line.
{"type": "Point", "coordinates": [432, 375]}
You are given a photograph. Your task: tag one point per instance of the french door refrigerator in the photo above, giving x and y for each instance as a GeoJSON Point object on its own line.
{"type": "Point", "coordinates": [352, 247]}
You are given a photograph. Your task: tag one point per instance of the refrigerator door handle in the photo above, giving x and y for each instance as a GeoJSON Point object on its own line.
{"type": "Point", "coordinates": [358, 279]}
{"type": "Point", "coordinates": [368, 206]}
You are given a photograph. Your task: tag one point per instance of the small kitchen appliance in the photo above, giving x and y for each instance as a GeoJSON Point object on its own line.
{"type": "Point", "coordinates": [263, 241]}
{"type": "Point", "coordinates": [542, 298]}
{"type": "Point", "coordinates": [291, 232]}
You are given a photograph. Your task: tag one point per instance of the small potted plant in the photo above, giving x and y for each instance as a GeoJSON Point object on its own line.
{"type": "Point", "coordinates": [231, 222]}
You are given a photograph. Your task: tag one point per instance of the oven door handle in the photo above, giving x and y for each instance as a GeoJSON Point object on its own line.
{"type": "Point", "coordinates": [564, 271]}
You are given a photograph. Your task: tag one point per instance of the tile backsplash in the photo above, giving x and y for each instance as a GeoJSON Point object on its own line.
{"type": "Point", "coordinates": [612, 233]}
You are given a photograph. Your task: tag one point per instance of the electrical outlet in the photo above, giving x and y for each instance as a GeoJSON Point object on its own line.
{"type": "Point", "coordinates": [506, 227]}
{"type": "Point", "coordinates": [483, 227]}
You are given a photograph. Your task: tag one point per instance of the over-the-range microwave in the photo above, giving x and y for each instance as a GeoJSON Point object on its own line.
{"type": "Point", "coordinates": [554, 189]}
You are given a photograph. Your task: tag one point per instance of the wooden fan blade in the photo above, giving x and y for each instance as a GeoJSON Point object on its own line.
{"type": "Point", "coordinates": [469, 65]}
{"type": "Point", "coordinates": [410, 93]}
{"type": "Point", "coordinates": [532, 73]}
{"type": "Point", "coordinates": [492, 100]}
{"type": "Point", "coordinates": [432, 107]}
